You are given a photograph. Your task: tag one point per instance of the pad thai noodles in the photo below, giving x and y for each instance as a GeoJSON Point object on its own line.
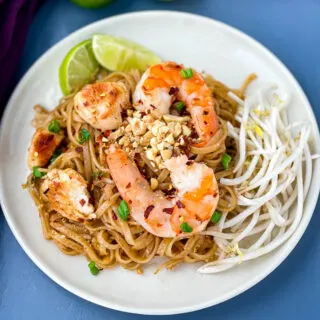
{"type": "Point", "coordinates": [170, 164]}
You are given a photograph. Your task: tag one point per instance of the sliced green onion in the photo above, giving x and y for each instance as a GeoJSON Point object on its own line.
{"type": "Point", "coordinates": [216, 216]}
{"type": "Point", "coordinates": [97, 175]}
{"type": "Point", "coordinates": [179, 106]}
{"type": "Point", "coordinates": [123, 210]}
{"type": "Point", "coordinates": [37, 173]}
{"type": "Point", "coordinates": [185, 227]}
{"type": "Point", "coordinates": [55, 155]}
{"type": "Point", "coordinates": [225, 160]}
{"type": "Point", "coordinates": [84, 136]}
{"type": "Point", "coordinates": [186, 73]}
{"type": "Point", "coordinates": [54, 126]}
{"type": "Point", "coordinates": [93, 268]}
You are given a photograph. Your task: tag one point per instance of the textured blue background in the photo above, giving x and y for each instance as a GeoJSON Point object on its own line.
{"type": "Point", "coordinates": [289, 28]}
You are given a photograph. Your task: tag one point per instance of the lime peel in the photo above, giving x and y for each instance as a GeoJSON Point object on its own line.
{"type": "Point", "coordinates": [78, 67]}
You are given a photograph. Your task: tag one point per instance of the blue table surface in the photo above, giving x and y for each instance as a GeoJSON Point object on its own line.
{"type": "Point", "coordinates": [289, 28]}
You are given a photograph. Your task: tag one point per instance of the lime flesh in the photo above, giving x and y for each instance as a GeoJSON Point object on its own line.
{"type": "Point", "coordinates": [91, 4]}
{"type": "Point", "coordinates": [118, 54]}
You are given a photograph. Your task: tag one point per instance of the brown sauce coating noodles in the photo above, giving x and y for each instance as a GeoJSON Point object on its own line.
{"type": "Point", "coordinates": [107, 240]}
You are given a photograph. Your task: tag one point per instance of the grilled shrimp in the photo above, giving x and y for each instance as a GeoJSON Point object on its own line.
{"type": "Point", "coordinates": [43, 145]}
{"type": "Point", "coordinates": [163, 83]}
{"type": "Point", "coordinates": [100, 104]}
{"type": "Point", "coordinates": [189, 210]}
{"type": "Point", "coordinates": [66, 192]}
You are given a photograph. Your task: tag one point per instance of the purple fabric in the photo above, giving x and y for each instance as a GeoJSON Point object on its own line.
{"type": "Point", "coordinates": [15, 19]}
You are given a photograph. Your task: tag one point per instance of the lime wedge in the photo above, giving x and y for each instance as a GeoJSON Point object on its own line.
{"type": "Point", "coordinates": [78, 67]}
{"type": "Point", "coordinates": [91, 4]}
{"type": "Point", "coordinates": [118, 54]}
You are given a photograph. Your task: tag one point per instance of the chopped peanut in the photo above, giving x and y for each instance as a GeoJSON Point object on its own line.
{"type": "Point", "coordinates": [169, 139]}
{"type": "Point", "coordinates": [166, 154]}
{"type": "Point", "coordinates": [186, 131]}
{"type": "Point", "coordinates": [154, 183]}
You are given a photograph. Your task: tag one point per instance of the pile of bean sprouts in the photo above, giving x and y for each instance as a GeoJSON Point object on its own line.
{"type": "Point", "coordinates": [272, 177]}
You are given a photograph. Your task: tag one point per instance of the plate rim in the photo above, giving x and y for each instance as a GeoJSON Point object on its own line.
{"type": "Point", "coordinates": [150, 311]}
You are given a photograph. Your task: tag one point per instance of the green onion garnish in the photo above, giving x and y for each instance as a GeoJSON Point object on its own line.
{"type": "Point", "coordinates": [97, 175]}
{"type": "Point", "coordinates": [84, 136]}
{"type": "Point", "coordinates": [185, 227]}
{"type": "Point", "coordinates": [123, 210]}
{"type": "Point", "coordinates": [216, 216]}
{"type": "Point", "coordinates": [179, 106]}
{"type": "Point", "coordinates": [55, 155]}
{"type": "Point", "coordinates": [37, 173]}
{"type": "Point", "coordinates": [186, 73]}
{"type": "Point", "coordinates": [93, 268]}
{"type": "Point", "coordinates": [54, 126]}
{"type": "Point", "coordinates": [225, 160]}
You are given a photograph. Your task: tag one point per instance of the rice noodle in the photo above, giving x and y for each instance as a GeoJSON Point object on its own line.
{"type": "Point", "coordinates": [107, 240]}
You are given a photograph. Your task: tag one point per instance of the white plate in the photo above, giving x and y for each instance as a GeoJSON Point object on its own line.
{"type": "Point", "coordinates": [200, 42]}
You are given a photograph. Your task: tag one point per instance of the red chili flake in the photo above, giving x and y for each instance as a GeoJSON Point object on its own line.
{"type": "Point", "coordinates": [152, 106]}
{"type": "Point", "coordinates": [148, 211]}
{"type": "Point", "coordinates": [91, 200]}
{"type": "Point", "coordinates": [130, 201]}
{"type": "Point", "coordinates": [205, 122]}
{"type": "Point", "coordinates": [215, 194]}
{"type": "Point", "coordinates": [205, 113]}
{"type": "Point", "coordinates": [170, 192]}
{"type": "Point", "coordinates": [113, 92]}
{"type": "Point", "coordinates": [142, 113]}
{"type": "Point", "coordinates": [80, 220]}
{"type": "Point", "coordinates": [124, 113]}
{"type": "Point", "coordinates": [187, 153]}
{"type": "Point", "coordinates": [99, 138]}
{"type": "Point", "coordinates": [193, 134]}
{"type": "Point", "coordinates": [128, 185]}
{"type": "Point", "coordinates": [184, 112]}
{"type": "Point", "coordinates": [173, 90]}
{"type": "Point", "coordinates": [82, 202]}
{"type": "Point", "coordinates": [189, 163]}
{"type": "Point", "coordinates": [56, 184]}
{"type": "Point", "coordinates": [106, 134]}
{"type": "Point", "coordinates": [86, 103]}
{"type": "Point", "coordinates": [175, 152]}
{"type": "Point", "coordinates": [114, 216]}
{"type": "Point", "coordinates": [78, 149]}
{"type": "Point", "coordinates": [140, 101]}
{"type": "Point", "coordinates": [168, 210]}
{"type": "Point", "coordinates": [180, 204]}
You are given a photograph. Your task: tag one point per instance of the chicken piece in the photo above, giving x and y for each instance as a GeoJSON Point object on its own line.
{"type": "Point", "coordinates": [43, 146]}
{"type": "Point", "coordinates": [67, 193]}
{"type": "Point", "coordinates": [100, 104]}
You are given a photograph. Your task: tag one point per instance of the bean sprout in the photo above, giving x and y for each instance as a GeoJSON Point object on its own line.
{"type": "Point", "coordinates": [272, 177]}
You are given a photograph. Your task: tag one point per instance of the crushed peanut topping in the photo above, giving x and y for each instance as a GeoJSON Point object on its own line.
{"type": "Point", "coordinates": [154, 134]}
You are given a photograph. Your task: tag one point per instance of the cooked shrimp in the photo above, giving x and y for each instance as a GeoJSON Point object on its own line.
{"type": "Point", "coordinates": [67, 193]}
{"type": "Point", "coordinates": [100, 104]}
{"type": "Point", "coordinates": [43, 145]}
{"type": "Point", "coordinates": [163, 83]}
{"type": "Point", "coordinates": [189, 210]}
